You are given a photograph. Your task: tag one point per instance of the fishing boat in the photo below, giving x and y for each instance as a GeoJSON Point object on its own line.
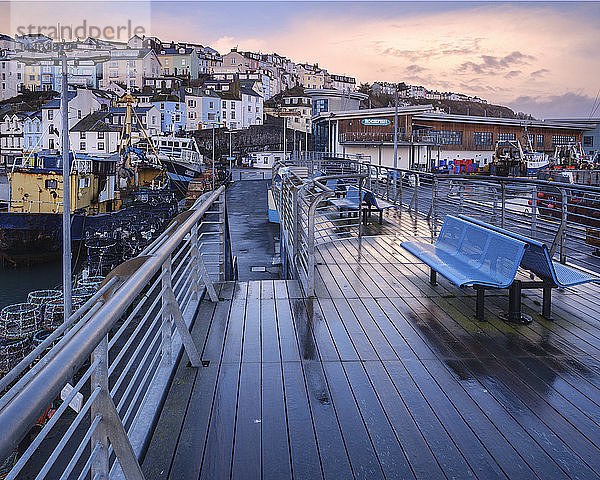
{"type": "Point", "coordinates": [510, 159]}
{"type": "Point", "coordinates": [181, 159]}
{"type": "Point", "coordinates": [31, 228]}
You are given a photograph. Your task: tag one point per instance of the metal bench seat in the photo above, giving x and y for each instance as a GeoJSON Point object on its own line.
{"type": "Point", "coordinates": [468, 254]}
{"type": "Point", "coordinates": [350, 201]}
{"type": "Point", "coordinates": [374, 203]}
{"type": "Point", "coordinates": [538, 260]}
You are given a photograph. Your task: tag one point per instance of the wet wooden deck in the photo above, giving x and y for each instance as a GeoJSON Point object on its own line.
{"type": "Point", "coordinates": [383, 376]}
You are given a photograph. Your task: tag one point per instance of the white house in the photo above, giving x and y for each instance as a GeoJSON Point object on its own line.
{"type": "Point", "coordinates": [32, 132]}
{"type": "Point", "coordinates": [267, 159]}
{"type": "Point", "coordinates": [81, 103]}
{"type": "Point", "coordinates": [252, 107]}
{"type": "Point", "coordinates": [95, 134]}
{"type": "Point", "coordinates": [11, 138]}
{"type": "Point", "coordinates": [202, 108]}
{"type": "Point", "coordinates": [231, 110]}
{"type": "Point", "coordinates": [12, 78]}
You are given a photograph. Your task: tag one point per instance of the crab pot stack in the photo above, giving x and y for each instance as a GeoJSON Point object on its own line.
{"type": "Point", "coordinates": [84, 293]}
{"type": "Point", "coordinates": [103, 254]}
{"type": "Point", "coordinates": [54, 313]}
{"type": "Point", "coordinates": [18, 323]}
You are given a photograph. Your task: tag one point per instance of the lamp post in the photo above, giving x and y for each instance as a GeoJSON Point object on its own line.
{"type": "Point", "coordinates": [34, 58]}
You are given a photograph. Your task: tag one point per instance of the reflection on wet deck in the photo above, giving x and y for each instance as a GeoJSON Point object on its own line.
{"type": "Point", "coordinates": [383, 376]}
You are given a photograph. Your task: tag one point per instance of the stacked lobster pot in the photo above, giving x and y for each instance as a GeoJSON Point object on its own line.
{"type": "Point", "coordinates": [18, 323]}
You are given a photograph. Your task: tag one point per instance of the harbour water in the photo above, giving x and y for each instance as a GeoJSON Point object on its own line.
{"type": "Point", "coordinates": [16, 283]}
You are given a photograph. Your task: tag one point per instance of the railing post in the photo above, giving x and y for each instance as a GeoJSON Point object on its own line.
{"type": "Point", "coordinates": [295, 225]}
{"type": "Point", "coordinates": [222, 238]}
{"type": "Point", "coordinates": [534, 199]}
{"type": "Point", "coordinates": [99, 378]}
{"type": "Point", "coordinates": [310, 288]}
{"type": "Point", "coordinates": [166, 325]}
{"type": "Point", "coordinates": [417, 183]}
{"type": "Point", "coordinates": [503, 204]}
{"type": "Point", "coordinates": [563, 225]}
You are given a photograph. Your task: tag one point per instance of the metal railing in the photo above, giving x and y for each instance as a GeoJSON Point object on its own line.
{"type": "Point", "coordinates": [307, 216]}
{"type": "Point", "coordinates": [111, 363]}
{"type": "Point", "coordinates": [388, 137]}
{"type": "Point", "coordinates": [565, 216]}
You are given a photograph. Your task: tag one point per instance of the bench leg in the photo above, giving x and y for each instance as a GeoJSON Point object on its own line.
{"type": "Point", "coordinates": [380, 216]}
{"type": "Point", "coordinates": [547, 303]}
{"type": "Point", "coordinates": [514, 304]}
{"type": "Point", "coordinates": [480, 305]}
{"type": "Point", "coordinates": [432, 277]}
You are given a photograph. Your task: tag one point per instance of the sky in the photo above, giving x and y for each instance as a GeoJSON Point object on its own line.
{"type": "Point", "coordinates": [537, 57]}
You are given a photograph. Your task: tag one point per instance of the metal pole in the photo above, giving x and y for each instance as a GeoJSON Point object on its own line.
{"type": "Point", "coordinates": [213, 156]}
{"type": "Point", "coordinates": [66, 218]}
{"type": "Point", "coordinates": [284, 139]}
{"type": "Point", "coordinates": [230, 147]}
{"type": "Point", "coordinates": [395, 137]}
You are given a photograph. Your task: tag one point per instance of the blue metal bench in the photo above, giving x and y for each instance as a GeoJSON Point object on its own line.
{"type": "Point", "coordinates": [350, 202]}
{"type": "Point", "coordinates": [537, 259]}
{"type": "Point", "coordinates": [468, 254]}
{"type": "Point", "coordinates": [374, 203]}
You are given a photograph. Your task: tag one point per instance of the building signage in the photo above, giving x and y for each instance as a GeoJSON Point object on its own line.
{"type": "Point", "coordinates": [377, 122]}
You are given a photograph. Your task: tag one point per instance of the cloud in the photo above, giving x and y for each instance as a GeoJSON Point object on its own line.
{"type": "Point", "coordinates": [415, 69]}
{"type": "Point", "coordinates": [513, 74]}
{"type": "Point", "coordinates": [539, 73]}
{"type": "Point", "coordinates": [570, 104]}
{"type": "Point", "coordinates": [493, 64]}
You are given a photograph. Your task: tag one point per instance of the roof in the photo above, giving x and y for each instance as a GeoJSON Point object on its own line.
{"type": "Point", "coordinates": [95, 122]}
{"type": "Point", "coordinates": [163, 97]}
{"type": "Point", "coordinates": [373, 112]}
{"type": "Point", "coordinates": [123, 110]}
{"type": "Point", "coordinates": [445, 117]}
{"type": "Point", "coordinates": [55, 102]}
{"type": "Point", "coordinates": [175, 51]}
{"type": "Point", "coordinates": [250, 92]}
{"type": "Point", "coordinates": [228, 96]}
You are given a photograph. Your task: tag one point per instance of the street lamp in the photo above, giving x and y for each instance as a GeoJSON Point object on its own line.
{"type": "Point", "coordinates": [63, 60]}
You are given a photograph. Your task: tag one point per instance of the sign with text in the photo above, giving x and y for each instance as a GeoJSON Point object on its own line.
{"type": "Point", "coordinates": [376, 122]}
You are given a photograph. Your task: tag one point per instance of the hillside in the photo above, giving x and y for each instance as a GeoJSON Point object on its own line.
{"type": "Point", "coordinates": [449, 106]}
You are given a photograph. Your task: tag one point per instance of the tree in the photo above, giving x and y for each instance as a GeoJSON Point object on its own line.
{"type": "Point", "coordinates": [364, 88]}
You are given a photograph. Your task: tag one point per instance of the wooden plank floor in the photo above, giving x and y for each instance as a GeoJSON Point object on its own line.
{"type": "Point", "coordinates": [383, 376]}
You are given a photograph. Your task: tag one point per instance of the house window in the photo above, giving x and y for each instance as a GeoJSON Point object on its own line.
{"type": "Point", "coordinates": [84, 182]}
{"type": "Point", "coordinates": [210, 105]}
{"type": "Point", "coordinates": [539, 140]}
{"type": "Point", "coordinates": [505, 137]}
{"type": "Point", "coordinates": [448, 137]}
{"type": "Point", "coordinates": [51, 184]}
{"type": "Point", "coordinates": [82, 135]}
{"type": "Point", "coordinates": [51, 129]}
{"type": "Point", "coordinates": [81, 145]}
{"type": "Point", "coordinates": [482, 138]}
{"type": "Point", "coordinates": [79, 114]}
{"type": "Point", "coordinates": [588, 141]}
{"type": "Point", "coordinates": [224, 104]}
{"type": "Point", "coordinates": [100, 135]}
{"type": "Point", "coordinates": [562, 140]}
{"type": "Point", "coordinates": [211, 116]}
{"type": "Point", "coordinates": [232, 104]}
{"type": "Point", "coordinates": [100, 145]}
{"type": "Point", "coordinates": [51, 144]}
{"type": "Point", "coordinates": [50, 114]}
{"type": "Point", "coordinates": [233, 114]}
{"type": "Point", "coordinates": [224, 115]}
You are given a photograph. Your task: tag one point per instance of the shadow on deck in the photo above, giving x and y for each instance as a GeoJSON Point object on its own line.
{"type": "Point", "coordinates": [383, 376]}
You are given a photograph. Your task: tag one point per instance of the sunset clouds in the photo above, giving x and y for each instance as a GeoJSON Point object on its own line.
{"type": "Point", "coordinates": [543, 58]}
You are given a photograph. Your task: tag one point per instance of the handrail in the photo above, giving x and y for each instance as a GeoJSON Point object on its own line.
{"type": "Point", "coordinates": [27, 402]}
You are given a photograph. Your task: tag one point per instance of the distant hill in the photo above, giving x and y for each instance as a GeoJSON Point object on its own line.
{"type": "Point", "coordinates": [454, 107]}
